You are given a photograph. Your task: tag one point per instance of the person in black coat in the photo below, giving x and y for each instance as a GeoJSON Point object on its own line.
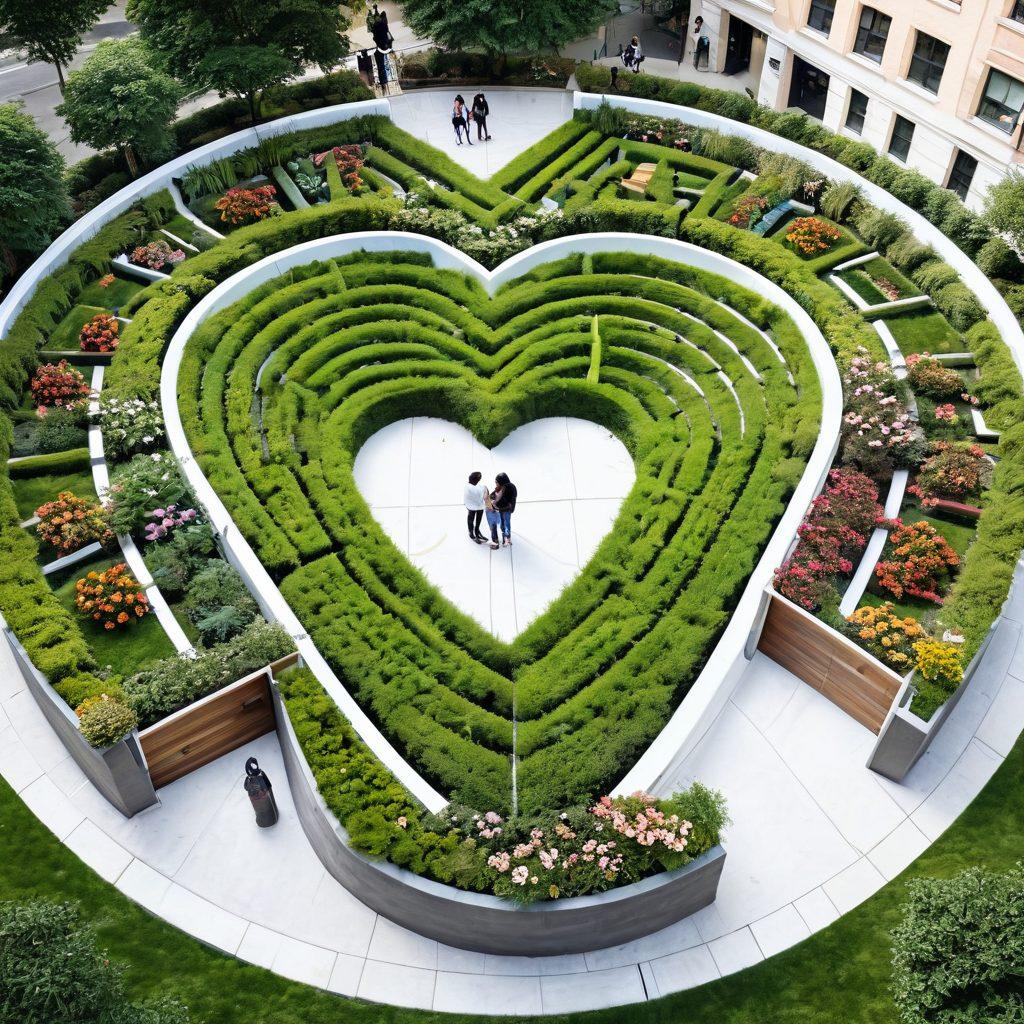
{"type": "Point", "coordinates": [504, 498]}
{"type": "Point", "coordinates": [480, 111]}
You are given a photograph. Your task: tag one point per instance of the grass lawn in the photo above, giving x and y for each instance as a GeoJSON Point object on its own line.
{"type": "Point", "coordinates": [924, 331]}
{"type": "Point", "coordinates": [33, 491]}
{"type": "Point", "coordinates": [182, 227]}
{"type": "Point", "coordinates": [114, 296]}
{"type": "Point", "coordinates": [862, 285]}
{"type": "Point", "coordinates": [882, 268]}
{"type": "Point", "coordinates": [838, 976]}
{"type": "Point", "coordinates": [125, 650]}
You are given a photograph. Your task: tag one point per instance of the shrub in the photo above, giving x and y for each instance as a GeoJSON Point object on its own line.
{"type": "Point", "coordinates": [839, 200]}
{"type": "Point", "coordinates": [919, 561]}
{"type": "Point", "coordinates": [175, 562]}
{"type": "Point", "coordinates": [955, 471]}
{"type": "Point", "coordinates": [156, 255]}
{"type": "Point", "coordinates": [129, 425]}
{"type": "Point", "coordinates": [58, 384]}
{"type": "Point", "coordinates": [172, 683]}
{"type": "Point", "coordinates": [59, 430]}
{"type": "Point", "coordinates": [104, 720]}
{"type": "Point", "coordinates": [747, 211]}
{"type": "Point", "coordinates": [939, 663]}
{"type": "Point", "coordinates": [888, 636]}
{"type": "Point", "coordinates": [958, 952]}
{"type": "Point", "coordinates": [811, 236]}
{"type": "Point", "coordinates": [247, 205]}
{"type": "Point", "coordinates": [876, 430]}
{"type": "Point", "coordinates": [218, 604]}
{"type": "Point", "coordinates": [139, 486]}
{"type": "Point", "coordinates": [930, 377]}
{"type": "Point", "coordinates": [112, 597]}
{"type": "Point", "coordinates": [69, 523]}
{"type": "Point", "coordinates": [878, 227]}
{"type": "Point", "coordinates": [996, 259]}
{"type": "Point", "coordinates": [99, 334]}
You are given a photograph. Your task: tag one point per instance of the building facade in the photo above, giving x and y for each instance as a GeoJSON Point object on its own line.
{"type": "Point", "coordinates": [938, 85]}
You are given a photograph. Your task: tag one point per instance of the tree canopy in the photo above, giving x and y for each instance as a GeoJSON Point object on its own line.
{"type": "Point", "coordinates": [505, 26]}
{"type": "Point", "coordinates": [238, 48]}
{"type": "Point", "coordinates": [33, 199]}
{"type": "Point", "coordinates": [50, 30]}
{"type": "Point", "coordinates": [1004, 209]}
{"type": "Point", "coordinates": [119, 99]}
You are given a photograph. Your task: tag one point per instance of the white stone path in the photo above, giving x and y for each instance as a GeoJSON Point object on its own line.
{"type": "Point", "coordinates": [814, 834]}
{"type": "Point", "coordinates": [571, 475]}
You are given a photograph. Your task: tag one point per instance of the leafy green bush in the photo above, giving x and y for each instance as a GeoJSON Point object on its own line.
{"type": "Point", "coordinates": [104, 719]}
{"type": "Point", "coordinates": [218, 604]}
{"type": "Point", "coordinates": [958, 953]}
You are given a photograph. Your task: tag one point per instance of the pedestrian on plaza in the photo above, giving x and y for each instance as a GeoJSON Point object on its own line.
{"type": "Point", "coordinates": [493, 518]}
{"type": "Point", "coordinates": [633, 55]}
{"type": "Point", "coordinates": [475, 505]}
{"type": "Point", "coordinates": [504, 498]}
{"type": "Point", "coordinates": [480, 111]}
{"type": "Point", "coordinates": [460, 119]}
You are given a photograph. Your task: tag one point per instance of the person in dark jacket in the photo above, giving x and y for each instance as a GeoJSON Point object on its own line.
{"type": "Point", "coordinates": [460, 119]}
{"type": "Point", "coordinates": [504, 498]}
{"type": "Point", "coordinates": [480, 112]}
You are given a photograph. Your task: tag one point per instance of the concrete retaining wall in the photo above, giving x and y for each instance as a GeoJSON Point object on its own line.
{"type": "Point", "coordinates": [487, 924]}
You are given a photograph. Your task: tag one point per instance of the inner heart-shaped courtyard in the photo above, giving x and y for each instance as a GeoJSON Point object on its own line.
{"type": "Point", "coordinates": [656, 418]}
{"type": "Point", "coordinates": [571, 475]}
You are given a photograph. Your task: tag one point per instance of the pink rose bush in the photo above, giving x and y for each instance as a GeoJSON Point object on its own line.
{"type": "Point", "coordinates": [877, 430]}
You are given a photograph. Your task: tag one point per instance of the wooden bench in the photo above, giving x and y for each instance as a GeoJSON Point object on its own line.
{"type": "Point", "coordinates": [640, 178]}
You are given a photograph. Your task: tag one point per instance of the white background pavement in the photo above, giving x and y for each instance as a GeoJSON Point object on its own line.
{"type": "Point", "coordinates": [571, 474]}
{"type": "Point", "coordinates": [814, 833]}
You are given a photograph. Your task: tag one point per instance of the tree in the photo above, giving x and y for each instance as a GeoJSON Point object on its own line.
{"type": "Point", "coordinates": [237, 48]}
{"type": "Point", "coordinates": [50, 30]}
{"type": "Point", "coordinates": [33, 198]}
{"type": "Point", "coordinates": [505, 26]}
{"type": "Point", "coordinates": [119, 99]}
{"type": "Point", "coordinates": [1004, 209]}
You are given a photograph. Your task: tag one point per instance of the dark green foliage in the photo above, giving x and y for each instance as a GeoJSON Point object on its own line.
{"type": "Point", "coordinates": [218, 603]}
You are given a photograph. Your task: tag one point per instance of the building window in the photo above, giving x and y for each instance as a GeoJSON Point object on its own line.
{"type": "Point", "coordinates": [1017, 10]}
{"type": "Point", "coordinates": [902, 136]}
{"type": "Point", "coordinates": [1002, 101]}
{"type": "Point", "coordinates": [872, 31]}
{"type": "Point", "coordinates": [962, 174]}
{"type": "Point", "coordinates": [820, 15]}
{"type": "Point", "coordinates": [928, 62]}
{"type": "Point", "coordinates": [856, 111]}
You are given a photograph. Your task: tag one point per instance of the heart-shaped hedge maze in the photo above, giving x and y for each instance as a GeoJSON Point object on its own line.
{"type": "Point", "coordinates": [710, 388]}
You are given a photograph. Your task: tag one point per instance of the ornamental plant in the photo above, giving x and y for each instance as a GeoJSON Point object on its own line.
{"type": "Point", "coordinates": [349, 160]}
{"type": "Point", "coordinates": [876, 430]}
{"type": "Point", "coordinates": [939, 663]}
{"type": "Point", "coordinates": [946, 413]}
{"type": "Point", "coordinates": [69, 522]}
{"type": "Point", "coordinates": [129, 425]}
{"type": "Point", "coordinates": [99, 334]}
{"type": "Point", "coordinates": [811, 236]}
{"type": "Point", "coordinates": [104, 720]}
{"type": "Point", "coordinates": [164, 520]}
{"type": "Point", "coordinates": [156, 255]}
{"type": "Point", "coordinates": [58, 384]}
{"type": "Point", "coordinates": [659, 131]}
{"type": "Point", "coordinates": [246, 205]}
{"type": "Point", "coordinates": [747, 211]}
{"type": "Point", "coordinates": [113, 597]}
{"type": "Point", "coordinates": [952, 470]}
{"type": "Point", "coordinates": [920, 561]}
{"type": "Point", "coordinates": [106, 280]}
{"type": "Point", "coordinates": [888, 636]}
{"type": "Point", "coordinates": [888, 288]}
{"type": "Point", "coordinates": [139, 486]}
{"type": "Point", "coordinates": [930, 377]}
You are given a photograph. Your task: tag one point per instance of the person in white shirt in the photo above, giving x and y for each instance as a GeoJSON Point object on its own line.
{"type": "Point", "coordinates": [474, 501]}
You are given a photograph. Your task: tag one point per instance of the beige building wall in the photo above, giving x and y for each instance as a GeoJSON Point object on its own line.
{"type": "Point", "coordinates": [981, 34]}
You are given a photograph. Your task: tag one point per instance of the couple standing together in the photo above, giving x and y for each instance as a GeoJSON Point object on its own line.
{"type": "Point", "coordinates": [499, 505]}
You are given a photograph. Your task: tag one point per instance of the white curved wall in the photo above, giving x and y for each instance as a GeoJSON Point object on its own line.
{"type": "Point", "coordinates": [722, 670]}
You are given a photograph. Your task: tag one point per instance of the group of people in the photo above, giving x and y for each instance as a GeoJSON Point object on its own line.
{"type": "Point", "coordinates": [463, 116]}
{"type": "Point", "coordinates": [633, 56]}
{"type": "Point", "coordinates": [498, 505]}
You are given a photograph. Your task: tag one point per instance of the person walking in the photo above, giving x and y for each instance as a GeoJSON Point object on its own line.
{"type": "Point", "coordinates": [504, 497]}
{"type": "Point", "coordinates": [474, 501]}
{"type": "Point", "coordinates": [493, 518]}
{"type": "Point", "coordinates": [480, 111]}
{"type": "Point", "coordinates": [633, 55]}
{"type": "Point", "coordinates": [459, 120]}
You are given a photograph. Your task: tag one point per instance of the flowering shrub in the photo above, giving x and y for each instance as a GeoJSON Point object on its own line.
{"type": "Point", "coordinates": [888, 636]}
{"type": "Point", "coordinates": [811, 236]}
{"type": "Point", "coordinates": [139, 486]}
{"type": "Point", "coordinates": [939, 663]}
{"type": "Point", "coordinates": [129, 425]}
{"type": "Point", "coordinates": [930, 377]}
{"type": "Point", "coordinates": [877, 432]}
{"type": "Point", "coordinates": [113, 597]}
{"type": "Point", "coordinates": [946, 413]}
{"type": "Point", "coordinates": [58, 384]}
{"type": "Point", "coordinates": [658, 130]}
{"type": "Point", "coordinates": [70, 522]}
{"type": "Point", "coordinates": [349, 160]}
{"type": "Point", "coordinates": [156, 255]}
{"type": "Point", "coordinates": [99, 334]}
{"type": "Point", "coordinates": [890, 290]}
{"type": "Point", "coordinates": [920, 560]}
{"type": "Point", "coordinates": [104, 720]}
{"type": "Point", "coordinates": [246, 205]}
{"type": "Point", "coordinates": [953, 470]}
{"type": "Point", "coordinates": [747, 211]}
{"type": "Point", "coordinates": [166, 519]}
{"type": "Point", "coordinates": [835, 529]}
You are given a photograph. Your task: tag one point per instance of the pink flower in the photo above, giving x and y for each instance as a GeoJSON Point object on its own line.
{"type": "Point", "coordinates": [520, 874]}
